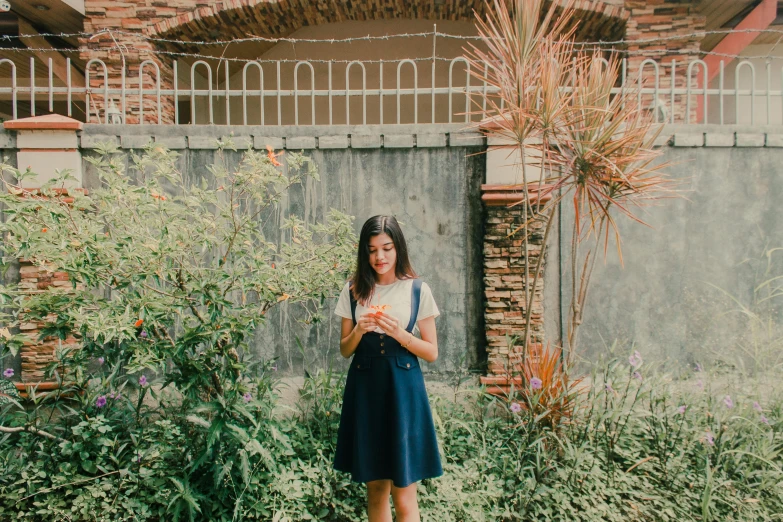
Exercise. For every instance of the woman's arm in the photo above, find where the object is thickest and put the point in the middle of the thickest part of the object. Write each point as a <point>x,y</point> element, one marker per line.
<point>349,338</point>
<point>427,346</point>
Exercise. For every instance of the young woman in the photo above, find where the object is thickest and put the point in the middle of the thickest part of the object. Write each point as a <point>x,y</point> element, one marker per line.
<point>386,436</point>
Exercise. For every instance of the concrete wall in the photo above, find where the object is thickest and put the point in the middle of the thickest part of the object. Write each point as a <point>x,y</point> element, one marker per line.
<point>670,300</point>
<point>429,177</point>
<point>673,298</point>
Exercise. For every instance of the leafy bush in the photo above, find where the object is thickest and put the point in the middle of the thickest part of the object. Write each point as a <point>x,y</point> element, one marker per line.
<point>164,416</point>
<point>170,281</point>
<point>638,449</point>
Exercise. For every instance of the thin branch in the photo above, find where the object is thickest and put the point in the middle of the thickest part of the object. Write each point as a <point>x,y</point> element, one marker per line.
<point>30,429</point>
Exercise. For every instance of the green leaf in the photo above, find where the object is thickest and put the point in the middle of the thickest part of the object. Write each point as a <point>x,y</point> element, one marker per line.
<point>8,392</point>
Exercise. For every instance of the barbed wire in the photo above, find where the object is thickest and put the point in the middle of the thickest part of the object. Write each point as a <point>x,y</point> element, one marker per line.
<point>624,52</point>
<point>438,34</point>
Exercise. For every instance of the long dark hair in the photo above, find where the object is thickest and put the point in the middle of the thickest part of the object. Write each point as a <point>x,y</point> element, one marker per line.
<point>364,278</point>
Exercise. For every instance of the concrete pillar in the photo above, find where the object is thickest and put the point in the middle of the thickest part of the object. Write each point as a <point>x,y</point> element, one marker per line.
<point>44,143</point>
<point>504,282</point>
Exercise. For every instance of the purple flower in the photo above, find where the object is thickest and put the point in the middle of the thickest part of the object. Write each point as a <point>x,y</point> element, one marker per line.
<point>247,397</point>
<point>535,383</point>
<point>757,406</point>
<point>608,387</point>
<point>111,395</point>
<point>274,367</point>
<point>635,359</point>
<point>728,402</point>
<point>709,439</point>
<point>143,380</point>
<point>8,373</point>
<point>101,360</point>
<point>143,333</point>
<point>681,409</point>
<point>515,407</point>
<point>698,367</point>
<point>101,401</point>
<point>117,397</point>
<point>138,457</point>
<point>637,375</point>
<point>764,419</point>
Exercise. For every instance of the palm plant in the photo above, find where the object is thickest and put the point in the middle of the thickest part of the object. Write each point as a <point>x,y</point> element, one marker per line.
<point>588,139</point>
<point>605,148</point>
<point>513,36</point>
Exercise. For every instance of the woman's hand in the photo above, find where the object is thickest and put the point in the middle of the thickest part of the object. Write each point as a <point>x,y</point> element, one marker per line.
<point>366,323</point>
<point>389,324</point>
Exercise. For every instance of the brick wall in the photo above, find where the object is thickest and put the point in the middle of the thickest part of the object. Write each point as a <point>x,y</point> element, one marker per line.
<point>504,291</point>
<point>37,354</point>
<point>133,17</point>
<point>664,18</point>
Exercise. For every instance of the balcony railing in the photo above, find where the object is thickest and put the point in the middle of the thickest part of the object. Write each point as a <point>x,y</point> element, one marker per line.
<point>418,91</point>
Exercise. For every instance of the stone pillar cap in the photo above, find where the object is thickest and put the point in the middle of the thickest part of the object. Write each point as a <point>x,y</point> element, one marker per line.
<point>46,122</point>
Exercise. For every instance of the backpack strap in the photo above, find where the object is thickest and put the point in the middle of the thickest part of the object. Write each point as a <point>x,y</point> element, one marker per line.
<point>415,298</point>
<point>353,303</point>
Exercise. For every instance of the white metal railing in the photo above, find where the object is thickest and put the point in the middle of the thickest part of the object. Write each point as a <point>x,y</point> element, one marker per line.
<point>678,92</point>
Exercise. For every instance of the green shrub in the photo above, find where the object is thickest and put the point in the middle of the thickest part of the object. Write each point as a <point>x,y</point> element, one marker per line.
<point>163,416</point>
<point>630,453</point>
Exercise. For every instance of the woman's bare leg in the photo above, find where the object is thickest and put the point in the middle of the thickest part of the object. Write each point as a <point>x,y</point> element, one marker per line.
<point>378,508</point>
<point>405,504</point>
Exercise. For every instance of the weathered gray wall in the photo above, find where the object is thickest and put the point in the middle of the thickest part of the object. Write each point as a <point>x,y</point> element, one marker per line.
<point>429,180</point>
<point>668,300</point>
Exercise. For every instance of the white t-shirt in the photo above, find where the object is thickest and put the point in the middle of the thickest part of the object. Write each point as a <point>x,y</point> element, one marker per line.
<point>398,295</point>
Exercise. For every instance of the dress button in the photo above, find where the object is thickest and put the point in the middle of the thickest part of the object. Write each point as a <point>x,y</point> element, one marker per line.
<point>409,365</point>
<point>381,336</point>
<point>383,351</point>
<point>358,365</point>
<point>381,344</point>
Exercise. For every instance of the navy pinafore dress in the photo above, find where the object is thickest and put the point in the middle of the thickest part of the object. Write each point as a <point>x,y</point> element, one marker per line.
<point>386,428</point>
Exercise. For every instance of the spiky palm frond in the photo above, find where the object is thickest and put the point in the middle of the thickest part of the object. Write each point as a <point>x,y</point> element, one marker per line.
<point>605,146</point>
<point>512,37</point>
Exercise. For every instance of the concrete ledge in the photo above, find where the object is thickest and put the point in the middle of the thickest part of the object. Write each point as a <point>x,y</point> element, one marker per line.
<point>134,142</point>
<point>466,139</point>
<point>398,141</point>
<point>242,142</point>
<point>682,139</point>
<point>750,140</point>
<point>366,141</point>
<point>260,142</point>
<point>333,142</point>
<point>431,140</point>
<point>774,140</point>
<point>203,142</point>
<point>713,139</point>
<point>300,142</point>
<point>391,136</point>
<point>663,140</point>
<point>172,142</point>
<point>91,141</point>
